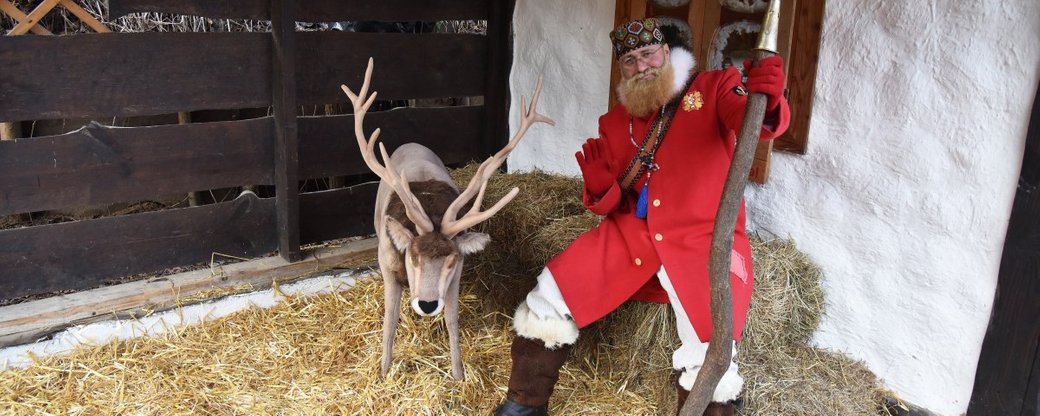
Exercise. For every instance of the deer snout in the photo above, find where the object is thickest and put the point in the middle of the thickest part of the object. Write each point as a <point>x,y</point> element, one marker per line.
<point>427,308</point>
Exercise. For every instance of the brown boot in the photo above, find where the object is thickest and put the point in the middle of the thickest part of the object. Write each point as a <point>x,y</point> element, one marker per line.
<point>720,409</point>
<point>533,376</point>
<point>713,409</point>
<point>680,393</point>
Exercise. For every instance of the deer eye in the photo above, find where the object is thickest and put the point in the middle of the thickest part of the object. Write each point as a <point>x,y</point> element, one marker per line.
<point>450,264</point>
<point>414,260</point>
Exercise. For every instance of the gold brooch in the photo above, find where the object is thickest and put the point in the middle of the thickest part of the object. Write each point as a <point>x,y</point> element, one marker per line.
<point>692,101</point>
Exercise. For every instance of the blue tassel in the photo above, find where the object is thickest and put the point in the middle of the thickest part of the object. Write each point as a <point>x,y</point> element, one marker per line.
<point>641,203</point>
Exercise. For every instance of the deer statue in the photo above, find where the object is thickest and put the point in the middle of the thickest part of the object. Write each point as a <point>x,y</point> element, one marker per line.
<point>422,239</point>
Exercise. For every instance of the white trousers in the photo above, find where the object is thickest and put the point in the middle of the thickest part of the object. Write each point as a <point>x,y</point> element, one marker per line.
<point>545,316</point>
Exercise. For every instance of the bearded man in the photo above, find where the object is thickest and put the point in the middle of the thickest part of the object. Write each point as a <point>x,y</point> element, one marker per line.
<point>656,174</point>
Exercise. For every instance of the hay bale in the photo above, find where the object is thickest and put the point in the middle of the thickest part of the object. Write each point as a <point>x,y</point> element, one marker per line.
<point>803,380</point>
<point>787,303</point>
<point>519,246</point>
<point>319,355</point>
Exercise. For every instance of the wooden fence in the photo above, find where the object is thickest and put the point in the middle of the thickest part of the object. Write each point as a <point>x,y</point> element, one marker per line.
<point>138,74</point>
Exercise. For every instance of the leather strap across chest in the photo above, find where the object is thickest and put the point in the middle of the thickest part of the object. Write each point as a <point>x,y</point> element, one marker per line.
<point>654,136</point>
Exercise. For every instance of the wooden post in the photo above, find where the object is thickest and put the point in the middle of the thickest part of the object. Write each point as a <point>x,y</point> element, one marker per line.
<point>10,130</point>
<point>287,158</point>
<point>801,74</point>
<point>500,59</point>
<point>184,117</point>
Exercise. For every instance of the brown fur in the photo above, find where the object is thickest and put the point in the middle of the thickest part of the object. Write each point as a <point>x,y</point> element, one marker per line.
<point>434,196</point>
<point>432,245</point>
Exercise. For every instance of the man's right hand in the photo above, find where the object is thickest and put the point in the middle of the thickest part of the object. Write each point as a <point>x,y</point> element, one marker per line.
<point>594,168</point>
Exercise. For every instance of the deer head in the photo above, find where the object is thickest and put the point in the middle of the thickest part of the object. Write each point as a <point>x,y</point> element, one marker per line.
<point>432,263</point>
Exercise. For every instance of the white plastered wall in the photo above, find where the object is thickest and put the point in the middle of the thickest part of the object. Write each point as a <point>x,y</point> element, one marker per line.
<point>903,197</point>
<point>564,42</point>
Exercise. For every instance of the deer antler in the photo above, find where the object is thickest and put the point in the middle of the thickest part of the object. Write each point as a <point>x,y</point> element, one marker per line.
<point>399,183</point>
<point>450,226</point>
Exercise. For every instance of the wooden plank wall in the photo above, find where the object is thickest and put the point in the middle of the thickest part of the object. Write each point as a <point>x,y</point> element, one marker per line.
<point>84,254</point>
<point>141,74</point>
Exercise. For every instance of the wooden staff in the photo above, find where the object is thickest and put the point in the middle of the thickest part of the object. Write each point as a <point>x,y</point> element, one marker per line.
<point>719,353</point>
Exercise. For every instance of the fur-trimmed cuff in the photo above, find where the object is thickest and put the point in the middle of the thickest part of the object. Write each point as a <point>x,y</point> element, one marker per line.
<point>553,332</point>
<point>728,389</point>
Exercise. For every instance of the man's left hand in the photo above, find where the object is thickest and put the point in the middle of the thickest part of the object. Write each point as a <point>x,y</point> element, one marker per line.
<point>767,78</point>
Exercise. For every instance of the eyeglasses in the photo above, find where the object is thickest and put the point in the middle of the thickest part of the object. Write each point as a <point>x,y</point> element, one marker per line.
<point>647,56</point>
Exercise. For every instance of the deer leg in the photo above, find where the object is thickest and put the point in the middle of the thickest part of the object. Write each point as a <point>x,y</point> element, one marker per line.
<point>391,315</point>
<point>451,319</point>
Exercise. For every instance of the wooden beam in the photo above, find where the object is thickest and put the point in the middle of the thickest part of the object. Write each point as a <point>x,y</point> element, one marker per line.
<point>801,75</point>
<point>287,158</point>
<point>407,65</point>
<point>10,130</point>
<point>499,60</point>
<point>27,322</point>
<point>79,255</point>
<point>17,15</point>
<point>760,165</point>
<point>696,21</point>
<point>84,16</point>
<point>33,18</point>
<point>184,117</point>
<point>99,165</point>
<point>337,213</point>
<point>238,71</point>
<point>451,132</point>
<point>105,76</point>
<point>764,151</point>
<point>785,33</point>
<point>710,23</point>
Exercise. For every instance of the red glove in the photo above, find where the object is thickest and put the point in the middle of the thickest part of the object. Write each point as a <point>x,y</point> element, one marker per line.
<point>594,168</point>
<point>767,78</point>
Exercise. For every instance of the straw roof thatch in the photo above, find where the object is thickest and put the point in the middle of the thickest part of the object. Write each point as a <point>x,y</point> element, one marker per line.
<point>319,354</point>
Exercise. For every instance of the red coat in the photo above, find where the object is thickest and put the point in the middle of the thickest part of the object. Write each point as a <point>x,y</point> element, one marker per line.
<point>617,260</point>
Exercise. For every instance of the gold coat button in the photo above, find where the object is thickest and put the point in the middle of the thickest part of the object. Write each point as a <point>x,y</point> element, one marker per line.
<point>657,202</point>
<point>658,237</point>
<point>639,261</point>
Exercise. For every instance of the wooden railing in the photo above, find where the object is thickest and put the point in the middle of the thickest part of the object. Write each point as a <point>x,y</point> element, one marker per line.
<point>137,74</point>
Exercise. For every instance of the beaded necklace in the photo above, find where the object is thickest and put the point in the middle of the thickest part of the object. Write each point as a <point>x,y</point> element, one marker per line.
<point>645,157</point>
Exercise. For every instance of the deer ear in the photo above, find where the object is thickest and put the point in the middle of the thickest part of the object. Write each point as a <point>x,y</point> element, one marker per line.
<point>472,242</point>
<point>400,235</point>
